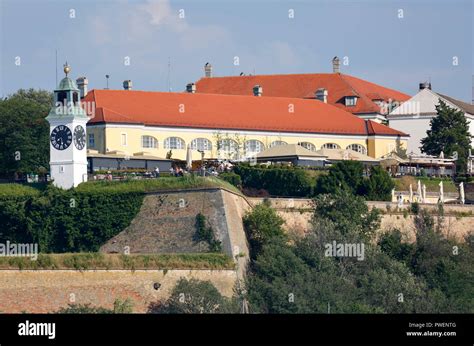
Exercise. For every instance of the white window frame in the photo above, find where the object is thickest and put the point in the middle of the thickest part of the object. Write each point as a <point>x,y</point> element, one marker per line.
<point>153,144</point>
<point>305,145</point>
<point>259,146</point>
<point>275,143</point>
<point>330,146</point>
<point>357,148</point>
<point>201,144</point>
<point>123,136</point>
<point>167,143</point>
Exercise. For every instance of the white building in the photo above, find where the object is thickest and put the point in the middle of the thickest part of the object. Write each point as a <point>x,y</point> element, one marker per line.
<point>414,116</point>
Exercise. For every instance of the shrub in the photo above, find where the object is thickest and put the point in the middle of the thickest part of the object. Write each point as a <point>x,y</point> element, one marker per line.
<point>231,178</point>
<point>205,233</point>
<point>279,181</point>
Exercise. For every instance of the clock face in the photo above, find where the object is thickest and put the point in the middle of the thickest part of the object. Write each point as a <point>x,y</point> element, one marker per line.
<point>79,137</point>
<point>61,137</point>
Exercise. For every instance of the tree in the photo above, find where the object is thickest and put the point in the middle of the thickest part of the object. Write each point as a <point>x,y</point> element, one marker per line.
<point>349,213</point>
<point>378,187</point>
<point>262,224</point>
<point>344,175</point>
<point>448,133</point>
<point>24,134</point>
<point>194,297</point>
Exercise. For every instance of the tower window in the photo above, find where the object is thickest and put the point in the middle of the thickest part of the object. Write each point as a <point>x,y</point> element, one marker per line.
<point>75,98</point>
<point>62,97</point>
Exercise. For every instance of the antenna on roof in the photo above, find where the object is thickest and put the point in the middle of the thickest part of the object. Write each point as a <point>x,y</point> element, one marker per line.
<point>107,78</point>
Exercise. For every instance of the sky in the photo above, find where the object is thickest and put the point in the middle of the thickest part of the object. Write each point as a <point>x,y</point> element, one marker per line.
<point>163,45</point>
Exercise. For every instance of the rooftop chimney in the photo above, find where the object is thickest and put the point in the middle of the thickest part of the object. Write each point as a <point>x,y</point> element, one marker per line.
<point>127,84</point>
<point>425,85</point>
<point>322,95</point>
<point>208,70</point>
<point>336,64</point>
<point>257,90</point>
<point>191,88</point>
<point>82,83</point>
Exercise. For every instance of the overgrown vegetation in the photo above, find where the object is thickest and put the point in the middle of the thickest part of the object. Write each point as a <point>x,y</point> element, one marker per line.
<point>391,276</point>
<point>195,297</point>
<point>120,307</point>
<point>204,232</point>
<point>97,260</point>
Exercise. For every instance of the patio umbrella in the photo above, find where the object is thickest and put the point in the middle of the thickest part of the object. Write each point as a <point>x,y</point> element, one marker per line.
<point>420,193</point>
<point>411,194</point>
<point>189,158</point>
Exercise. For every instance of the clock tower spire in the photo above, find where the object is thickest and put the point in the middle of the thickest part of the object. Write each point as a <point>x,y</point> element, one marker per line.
<point>67,120</point>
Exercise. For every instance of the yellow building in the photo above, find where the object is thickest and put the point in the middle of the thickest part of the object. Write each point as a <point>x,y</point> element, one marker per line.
<point>225,126</point>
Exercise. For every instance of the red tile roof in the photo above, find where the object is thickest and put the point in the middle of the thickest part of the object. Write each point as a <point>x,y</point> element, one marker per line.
<point>227,112</point>
<point>304,86</point>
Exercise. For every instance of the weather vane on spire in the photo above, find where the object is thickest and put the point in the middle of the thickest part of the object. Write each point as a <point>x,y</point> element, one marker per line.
<point>67,68</point>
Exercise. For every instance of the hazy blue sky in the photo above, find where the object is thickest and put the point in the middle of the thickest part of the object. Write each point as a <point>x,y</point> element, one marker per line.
<point>381,47</point>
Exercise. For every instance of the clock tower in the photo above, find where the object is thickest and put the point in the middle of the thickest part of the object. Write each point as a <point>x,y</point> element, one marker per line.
<point>67,139</point>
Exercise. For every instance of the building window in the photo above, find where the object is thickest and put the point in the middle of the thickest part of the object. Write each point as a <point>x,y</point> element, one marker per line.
<point>149,142</point>
<point>227,145</point>
<point>201,144</point>
<point>330,146</point>
<point>275,143</point>
<point>123,139</point>
<point>351,101</point>
<point>357,147</point>
<point>91,140</point>
<point>61,169</point>
<point>308,145</point>
<point>254,146</point>
<point>174,143</point>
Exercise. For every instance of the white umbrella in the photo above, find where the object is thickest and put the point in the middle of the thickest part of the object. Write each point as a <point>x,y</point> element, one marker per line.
<point>189,158</point>
<point>441,192</point>
<point>411,194</point>
<point>461,193</point>
<point>420,193</point>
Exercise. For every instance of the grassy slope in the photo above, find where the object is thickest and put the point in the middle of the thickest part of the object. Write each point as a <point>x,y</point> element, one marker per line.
<point>432,185</point>
<point>84,261</point>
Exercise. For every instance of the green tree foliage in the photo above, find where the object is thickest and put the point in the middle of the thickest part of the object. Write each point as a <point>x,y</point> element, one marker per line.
<point>348,213</point>
<point>278,181</point>
<point>194,297</point>
<point>24,132</point>
<point>262,224</point>
<point>448,133</point>
<point>343,175</point>
<point>446,266</point>
<point>67,221</point>
<point>393,276</point>
<point>378,187</point>
<point>349,176</point>
<point>231,178</point>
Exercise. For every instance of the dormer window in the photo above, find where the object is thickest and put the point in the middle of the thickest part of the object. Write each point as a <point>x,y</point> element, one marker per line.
<point>351,101</point>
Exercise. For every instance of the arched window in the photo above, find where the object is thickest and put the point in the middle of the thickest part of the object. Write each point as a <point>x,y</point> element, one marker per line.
<point>149,142</point>
<point>308,145</point>
<point>254,146</point>
<point>357,147</point>
<point>227,145</point>
<point>330,146</point>
<point>275,143</point>
<point>174,143</point>
<point>201,144</point>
